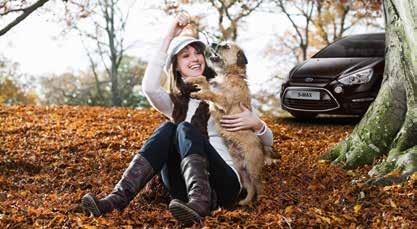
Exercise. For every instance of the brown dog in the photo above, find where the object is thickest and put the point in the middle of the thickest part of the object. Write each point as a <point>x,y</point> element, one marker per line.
<point>225,93</point>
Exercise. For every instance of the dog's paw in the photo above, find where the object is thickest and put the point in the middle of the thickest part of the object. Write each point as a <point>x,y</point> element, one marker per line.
<point>202,95</point>
<point>195,80</point>
<point>195,95</point>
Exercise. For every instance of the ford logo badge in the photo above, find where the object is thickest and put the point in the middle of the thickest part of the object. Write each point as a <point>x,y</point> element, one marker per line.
<point>308,80</point>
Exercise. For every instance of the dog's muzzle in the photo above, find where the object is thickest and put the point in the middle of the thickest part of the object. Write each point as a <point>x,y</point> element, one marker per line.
<point>215,59</point>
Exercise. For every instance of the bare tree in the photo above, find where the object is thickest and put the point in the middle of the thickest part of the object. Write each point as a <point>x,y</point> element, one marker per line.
<point>108,19</point>
<point>304,9</point>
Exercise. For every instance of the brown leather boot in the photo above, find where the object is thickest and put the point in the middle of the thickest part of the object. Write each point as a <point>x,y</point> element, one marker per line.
<point>94,206</point>
<point>133,180</point>
<point>194,168</point>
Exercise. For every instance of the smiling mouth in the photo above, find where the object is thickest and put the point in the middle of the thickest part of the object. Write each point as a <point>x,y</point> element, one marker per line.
<point>195,67</point>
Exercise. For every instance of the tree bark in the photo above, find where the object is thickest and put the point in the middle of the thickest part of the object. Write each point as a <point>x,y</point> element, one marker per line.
<point>390,124</point>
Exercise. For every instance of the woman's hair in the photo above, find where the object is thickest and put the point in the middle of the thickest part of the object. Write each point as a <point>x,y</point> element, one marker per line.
<point>176,84</point>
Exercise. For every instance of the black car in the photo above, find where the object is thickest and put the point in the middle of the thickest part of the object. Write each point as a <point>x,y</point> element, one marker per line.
<point>342,78</point>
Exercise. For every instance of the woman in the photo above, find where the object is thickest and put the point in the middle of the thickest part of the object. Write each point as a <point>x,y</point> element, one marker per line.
<point>188,152</point>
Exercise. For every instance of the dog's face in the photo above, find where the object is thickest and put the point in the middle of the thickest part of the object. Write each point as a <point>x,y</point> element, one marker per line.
<point>226,54</point>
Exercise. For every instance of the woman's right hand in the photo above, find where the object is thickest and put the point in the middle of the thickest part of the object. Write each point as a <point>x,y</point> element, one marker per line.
<point>179,23</point>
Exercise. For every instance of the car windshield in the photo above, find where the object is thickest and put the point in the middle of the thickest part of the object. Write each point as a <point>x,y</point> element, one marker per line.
<point>356,46</point>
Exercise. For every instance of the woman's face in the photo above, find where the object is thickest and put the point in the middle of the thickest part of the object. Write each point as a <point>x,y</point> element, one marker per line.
<point>190,62</point>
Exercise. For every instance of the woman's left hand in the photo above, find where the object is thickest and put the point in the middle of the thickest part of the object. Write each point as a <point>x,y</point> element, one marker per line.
<point>242,121</point>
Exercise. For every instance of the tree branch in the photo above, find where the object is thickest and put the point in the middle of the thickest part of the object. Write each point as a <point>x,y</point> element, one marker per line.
<point>281,5</point>
<point>26,12</point>
<point>12,10</point>
<point>319,24</point>
<point>93,69</point>
<point>242,14</point>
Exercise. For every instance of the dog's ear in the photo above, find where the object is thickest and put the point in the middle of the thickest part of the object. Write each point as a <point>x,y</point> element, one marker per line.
<point>241,58</point>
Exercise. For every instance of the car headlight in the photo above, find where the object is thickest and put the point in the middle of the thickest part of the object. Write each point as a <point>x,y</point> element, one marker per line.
<point>360,77</point>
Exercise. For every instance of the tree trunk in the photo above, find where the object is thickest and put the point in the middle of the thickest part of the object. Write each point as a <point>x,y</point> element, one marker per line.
<point>111,33</point>
<point>390,124</point>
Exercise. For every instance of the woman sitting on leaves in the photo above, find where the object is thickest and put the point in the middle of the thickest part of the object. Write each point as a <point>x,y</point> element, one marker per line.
<point>189,153</point>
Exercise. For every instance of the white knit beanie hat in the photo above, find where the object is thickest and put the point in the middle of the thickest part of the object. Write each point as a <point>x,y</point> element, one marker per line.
<point>176,45</point>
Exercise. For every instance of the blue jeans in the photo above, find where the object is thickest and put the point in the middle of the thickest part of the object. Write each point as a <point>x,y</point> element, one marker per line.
<point>170,143</point>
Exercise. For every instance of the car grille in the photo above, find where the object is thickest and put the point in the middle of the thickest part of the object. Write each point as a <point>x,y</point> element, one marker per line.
<point>315,80</point>
<point>323,104</point>
<point>310,105</point>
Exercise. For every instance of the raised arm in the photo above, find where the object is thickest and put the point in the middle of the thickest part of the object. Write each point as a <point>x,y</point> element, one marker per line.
<point>151,86</point>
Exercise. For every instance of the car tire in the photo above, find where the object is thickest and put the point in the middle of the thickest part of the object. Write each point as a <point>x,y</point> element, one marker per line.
<point>303,115</point>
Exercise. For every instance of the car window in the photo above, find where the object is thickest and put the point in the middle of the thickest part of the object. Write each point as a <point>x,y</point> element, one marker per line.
<point>356,46</point>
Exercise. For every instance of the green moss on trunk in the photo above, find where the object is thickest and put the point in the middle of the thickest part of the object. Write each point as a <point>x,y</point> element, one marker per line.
<point>374,134</point>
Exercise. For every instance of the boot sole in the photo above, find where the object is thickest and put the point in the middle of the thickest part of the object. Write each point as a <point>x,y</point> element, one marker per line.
<point>90,206</point>
<point>185,215</point>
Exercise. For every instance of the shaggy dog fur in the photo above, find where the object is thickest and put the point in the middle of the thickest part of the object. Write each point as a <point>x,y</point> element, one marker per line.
<point>225,93</point>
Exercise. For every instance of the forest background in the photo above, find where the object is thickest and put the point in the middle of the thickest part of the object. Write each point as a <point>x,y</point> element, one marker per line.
<point>62,53</point>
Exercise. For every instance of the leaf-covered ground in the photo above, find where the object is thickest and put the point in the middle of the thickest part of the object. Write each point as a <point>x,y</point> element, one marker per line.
<point>50,157</point>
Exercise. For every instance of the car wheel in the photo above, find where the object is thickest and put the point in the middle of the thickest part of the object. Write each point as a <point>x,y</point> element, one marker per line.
<point>303,115</point>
